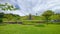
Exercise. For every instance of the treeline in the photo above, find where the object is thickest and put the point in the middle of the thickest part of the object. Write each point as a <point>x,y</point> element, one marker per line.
<point>51,17</point>
<point>47,16</point>
<point>9,18</point>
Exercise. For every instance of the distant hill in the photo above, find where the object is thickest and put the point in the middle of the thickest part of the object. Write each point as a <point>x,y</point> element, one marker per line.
<point>16,18</point>
<point>10,18</point>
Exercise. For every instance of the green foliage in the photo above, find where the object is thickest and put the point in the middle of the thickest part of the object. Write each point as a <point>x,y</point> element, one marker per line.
<point>47,14</point>
<point>2,5</point>
<point>55,17</point>
<point>7,6</point>
<point>1,17</point>
<point>11,18</point>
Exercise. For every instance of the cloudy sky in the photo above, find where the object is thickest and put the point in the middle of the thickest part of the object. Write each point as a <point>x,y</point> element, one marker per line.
<point>33,6</point>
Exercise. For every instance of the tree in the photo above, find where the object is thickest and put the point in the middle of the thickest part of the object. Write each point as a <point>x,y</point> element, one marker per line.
<point>6,7</point>
<point>47,14</point>
<point>1,17</point>
<point>11,18</point>
<point>55,17</point>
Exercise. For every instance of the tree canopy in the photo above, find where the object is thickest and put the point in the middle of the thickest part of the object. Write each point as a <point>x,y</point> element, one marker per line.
<point>55,17</point>
<point>47,14</point>
<point>7,6</point>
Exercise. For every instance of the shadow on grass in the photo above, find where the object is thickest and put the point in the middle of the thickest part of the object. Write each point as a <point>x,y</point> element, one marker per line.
<point>2,24</point>
<point>40,25</point>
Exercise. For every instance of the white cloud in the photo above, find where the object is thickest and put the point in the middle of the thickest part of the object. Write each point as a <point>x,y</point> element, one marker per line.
<point>33,6</point>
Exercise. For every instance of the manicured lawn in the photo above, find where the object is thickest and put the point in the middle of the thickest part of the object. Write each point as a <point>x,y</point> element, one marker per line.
<point>29,29</point>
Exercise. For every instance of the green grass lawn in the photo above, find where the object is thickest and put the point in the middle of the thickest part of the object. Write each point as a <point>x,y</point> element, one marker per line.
<point>29,29</point>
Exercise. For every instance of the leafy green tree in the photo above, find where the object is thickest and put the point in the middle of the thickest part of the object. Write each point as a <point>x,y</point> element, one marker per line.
<point>47,14</point>
<point>6,7</point>
<point>55,17</point>
<point>1,17</point>
<point>11,18</point>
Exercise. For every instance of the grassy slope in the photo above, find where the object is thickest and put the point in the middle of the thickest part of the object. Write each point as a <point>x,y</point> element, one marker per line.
<point>33,18</point>
<point>29,29</point>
